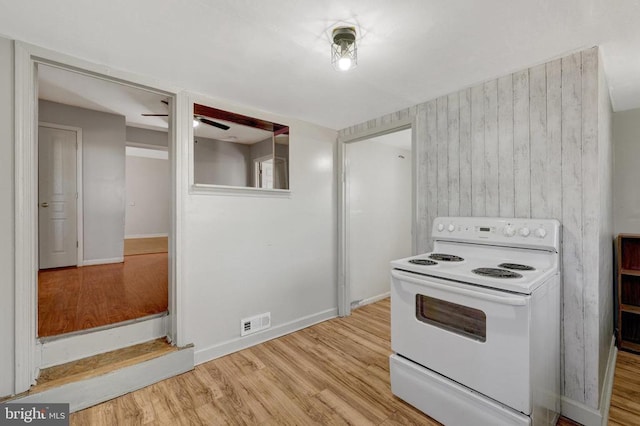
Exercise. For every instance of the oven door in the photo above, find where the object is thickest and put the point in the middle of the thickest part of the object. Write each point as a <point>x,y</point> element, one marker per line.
<point>475,336</point>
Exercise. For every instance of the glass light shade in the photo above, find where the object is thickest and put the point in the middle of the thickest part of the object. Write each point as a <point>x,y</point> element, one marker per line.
<point>344,52</point>
<point>344,64</point>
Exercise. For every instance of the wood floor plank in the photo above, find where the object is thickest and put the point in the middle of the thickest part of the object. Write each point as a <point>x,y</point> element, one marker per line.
<point>135,246</point>
<point>333,373</point>
<point>74,299</point>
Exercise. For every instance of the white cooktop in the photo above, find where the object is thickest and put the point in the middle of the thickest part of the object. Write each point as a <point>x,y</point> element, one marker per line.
<point>488,243</point>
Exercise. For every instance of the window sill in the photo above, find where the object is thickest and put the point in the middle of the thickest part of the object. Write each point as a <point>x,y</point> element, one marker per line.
<point>240,191</point>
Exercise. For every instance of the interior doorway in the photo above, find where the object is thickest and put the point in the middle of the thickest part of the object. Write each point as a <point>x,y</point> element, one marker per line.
<point>31,352</point>
<point>378,190</point>
<point>85,280</point>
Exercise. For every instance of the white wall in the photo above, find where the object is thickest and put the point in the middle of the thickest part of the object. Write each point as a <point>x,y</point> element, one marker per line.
<point>240,254</point>
<point>246,255</point>
<point>379,190</point>
<point>103,152</point>
<point>7,283</point>
<point>626,196</point>
<point>148,197</point>
<point>138,136</point>
<point>221,163</point>
<point>533,143</point>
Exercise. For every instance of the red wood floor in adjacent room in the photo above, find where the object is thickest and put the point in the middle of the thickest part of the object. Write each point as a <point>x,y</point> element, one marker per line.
<point>73,299</point>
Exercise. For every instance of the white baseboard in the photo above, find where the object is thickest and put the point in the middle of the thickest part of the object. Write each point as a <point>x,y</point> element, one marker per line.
<point>102,261</point>
<point>607,386</point>
<point>56,351</point>
<point>132,236</point>
<point>85,393</point>
<point>589,416</point>
<point>370,300</point>
<point>239,343</point>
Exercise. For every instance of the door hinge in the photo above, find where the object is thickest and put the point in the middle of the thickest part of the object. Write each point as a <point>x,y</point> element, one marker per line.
<point>77,244</point>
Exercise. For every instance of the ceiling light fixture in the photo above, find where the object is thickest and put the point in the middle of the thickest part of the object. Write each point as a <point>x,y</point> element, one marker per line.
<point>344,53</point>
<point>196,122</point>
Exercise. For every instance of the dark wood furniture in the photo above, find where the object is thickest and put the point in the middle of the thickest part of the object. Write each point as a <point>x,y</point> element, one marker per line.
<point>629,291</point>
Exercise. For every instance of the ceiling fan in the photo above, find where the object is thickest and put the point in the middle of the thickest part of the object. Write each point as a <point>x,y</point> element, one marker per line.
<point>200,118</point>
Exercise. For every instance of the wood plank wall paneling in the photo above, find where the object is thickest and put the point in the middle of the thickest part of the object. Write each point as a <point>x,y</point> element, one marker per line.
<point>431,184</point>
<point>378,125</point>
<point>442,157</point>
<point>465,152</point>
<point>453,154</point>
<point>526,145</point>
<point>422,226</point>
<point>590,219</point>
<point>538,138</point>
<point>553,175</point>
<point>573,304</point>
<point>505,146</point>
<point>491,153</point>
<point>521,147</point>
<point>478,181</point>
<point>605,156</point>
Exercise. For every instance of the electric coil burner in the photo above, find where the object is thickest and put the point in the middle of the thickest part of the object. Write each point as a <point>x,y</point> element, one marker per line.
<point>424,262</point>
<point>445,257</point>
<point>475,343</point>
<point>516,267</point>
<point>496,273</point>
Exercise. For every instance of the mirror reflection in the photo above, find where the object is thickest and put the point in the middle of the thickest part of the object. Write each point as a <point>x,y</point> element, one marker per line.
<point>239,151</point>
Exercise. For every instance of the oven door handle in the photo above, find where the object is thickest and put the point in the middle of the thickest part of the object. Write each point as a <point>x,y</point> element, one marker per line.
<point>513,301</point>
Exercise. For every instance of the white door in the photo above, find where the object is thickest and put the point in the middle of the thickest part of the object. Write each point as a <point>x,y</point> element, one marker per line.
<point>57,193</point>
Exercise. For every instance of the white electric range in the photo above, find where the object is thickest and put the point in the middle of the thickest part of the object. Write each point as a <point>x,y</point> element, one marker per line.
<point>475,324</point>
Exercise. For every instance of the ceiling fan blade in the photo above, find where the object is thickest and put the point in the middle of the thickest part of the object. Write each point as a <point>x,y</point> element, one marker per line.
<point>155,115</point>
<point>213,123</point>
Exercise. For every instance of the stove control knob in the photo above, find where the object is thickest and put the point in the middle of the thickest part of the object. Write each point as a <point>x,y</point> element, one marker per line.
<point>540,232</point>
<point>509,231</point>
<point>525,231</point>
<point>451,228</point>
<point>440,227</point>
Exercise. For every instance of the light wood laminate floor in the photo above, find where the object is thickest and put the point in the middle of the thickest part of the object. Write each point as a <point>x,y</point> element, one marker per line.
<point>74,299</point>
<point>134,246</point>
<point>625,398</point>
<point>335,372</point>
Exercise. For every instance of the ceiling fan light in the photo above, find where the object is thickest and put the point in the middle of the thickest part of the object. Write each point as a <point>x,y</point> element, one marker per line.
<point>196,123</point>
<point>344,52</point>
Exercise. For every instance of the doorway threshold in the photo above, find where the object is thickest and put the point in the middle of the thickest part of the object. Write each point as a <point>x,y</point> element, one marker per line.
<point>92,380</point>
<point>48,339</point>
<point>69,347</point>
<point>97,365</point>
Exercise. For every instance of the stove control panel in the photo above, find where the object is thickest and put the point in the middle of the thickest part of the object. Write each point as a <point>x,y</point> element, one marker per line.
<point>516,232</point>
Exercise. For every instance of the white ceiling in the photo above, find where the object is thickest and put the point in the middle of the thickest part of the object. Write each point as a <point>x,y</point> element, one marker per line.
<point>274,55</point>
<point>71,88</point>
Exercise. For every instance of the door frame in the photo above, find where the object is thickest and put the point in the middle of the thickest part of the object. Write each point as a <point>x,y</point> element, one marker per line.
<point>27,57</point>
<point>344,284</point>
<point>79,187</point>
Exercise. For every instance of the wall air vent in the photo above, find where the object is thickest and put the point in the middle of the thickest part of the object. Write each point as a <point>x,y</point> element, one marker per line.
<point>255,324</point>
